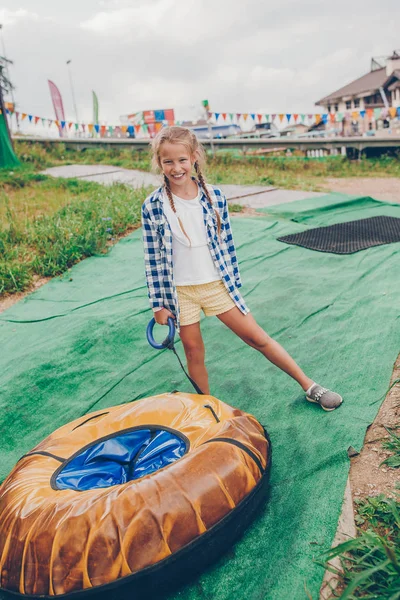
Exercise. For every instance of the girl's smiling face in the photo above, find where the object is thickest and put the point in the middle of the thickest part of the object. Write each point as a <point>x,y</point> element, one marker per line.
<point>176,163</point>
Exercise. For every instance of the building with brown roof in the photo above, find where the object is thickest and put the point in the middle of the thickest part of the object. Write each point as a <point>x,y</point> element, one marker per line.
<point>380,88</point>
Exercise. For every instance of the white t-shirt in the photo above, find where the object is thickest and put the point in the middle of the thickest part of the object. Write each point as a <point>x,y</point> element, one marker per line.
<point>193,264</point>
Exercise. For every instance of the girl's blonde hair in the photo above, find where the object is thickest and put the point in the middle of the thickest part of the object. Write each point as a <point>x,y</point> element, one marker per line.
<point>186,137</point>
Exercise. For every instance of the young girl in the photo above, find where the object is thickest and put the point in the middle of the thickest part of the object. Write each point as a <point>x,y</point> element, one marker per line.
<point>191,263</point>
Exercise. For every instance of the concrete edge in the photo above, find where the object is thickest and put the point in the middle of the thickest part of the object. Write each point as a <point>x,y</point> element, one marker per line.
<point>346,529</point>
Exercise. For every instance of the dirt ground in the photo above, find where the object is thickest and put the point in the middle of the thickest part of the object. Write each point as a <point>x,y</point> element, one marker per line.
<point>367,476</point>
<point>381,188</point>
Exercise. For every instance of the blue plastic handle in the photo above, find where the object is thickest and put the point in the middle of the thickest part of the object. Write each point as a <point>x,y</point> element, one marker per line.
<point>169,340</point>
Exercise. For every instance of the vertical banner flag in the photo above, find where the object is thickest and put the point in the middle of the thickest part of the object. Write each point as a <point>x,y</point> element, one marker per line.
<point>57,103</point>
<point>95,108</point>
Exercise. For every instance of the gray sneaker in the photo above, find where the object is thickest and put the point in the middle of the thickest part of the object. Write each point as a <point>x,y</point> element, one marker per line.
<point>325,398</point>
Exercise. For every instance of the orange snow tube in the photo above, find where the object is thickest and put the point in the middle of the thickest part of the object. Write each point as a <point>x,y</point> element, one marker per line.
<point>134,495</point>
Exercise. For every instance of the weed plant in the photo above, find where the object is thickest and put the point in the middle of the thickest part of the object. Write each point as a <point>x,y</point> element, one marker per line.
<point>370,563</point>
<point>392,444</point>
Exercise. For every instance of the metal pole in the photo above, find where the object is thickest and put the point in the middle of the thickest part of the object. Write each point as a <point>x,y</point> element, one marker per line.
<point>8,73</point>
<point>72,90</point>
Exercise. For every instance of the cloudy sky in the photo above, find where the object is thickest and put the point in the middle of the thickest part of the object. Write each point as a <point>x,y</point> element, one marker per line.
<point>242,55</point>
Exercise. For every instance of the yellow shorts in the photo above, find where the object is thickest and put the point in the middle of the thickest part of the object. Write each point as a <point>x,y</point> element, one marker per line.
<point>212,298</point>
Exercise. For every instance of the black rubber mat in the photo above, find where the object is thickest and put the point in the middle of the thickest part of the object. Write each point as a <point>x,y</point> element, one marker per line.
<point>350,237</point>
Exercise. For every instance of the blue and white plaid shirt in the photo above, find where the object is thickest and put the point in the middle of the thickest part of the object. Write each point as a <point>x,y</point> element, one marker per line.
<point>157,240</point>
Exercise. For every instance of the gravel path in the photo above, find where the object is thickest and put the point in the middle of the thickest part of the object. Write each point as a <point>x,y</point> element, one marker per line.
<point>381,188</point>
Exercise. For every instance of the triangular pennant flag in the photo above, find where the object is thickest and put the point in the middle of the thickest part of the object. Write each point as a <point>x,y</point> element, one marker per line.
<point>281,117</point>
<point>259,117</point>
<point>340,117</point>
<point>332,117</point>
<point>97,127</point>
<point>231,115</point>
<point>76,126</point>
<point>238,115</point>
<point>57,123</point>
<point>130,129</point>
<point>245,115</point>
<point>17,114</point>
<point>137,128</point>
<point>288,116</point>
<point>83,127</point>
<point>224,116</point>
<point>318,118</point>
<point>23,116</point>
<point>362,113</point>
<point>37,119</point>
<point>110,129</point>
<point>377,113</point>
<point>266,118</point>
<point>63,123</point>
<point>7,111</point>
<point>398,111</point>
<point>30,117</point>
<point>124,128</point>
<point>325,118</point>
<point>70,125</point>
<point>295,117</point>
<point>43,121</point>
<point>90,127</point>
<point>392,111</point>
<point>273,117</point>
<point>354,115</point>
<point>253,116</point>
<point>370,113</point>
<point>103,130</point>
<point>145,128</point>
<point>216,115</point>
<point>302,117</point>
<point>50,122</point>
<point>310,117</point>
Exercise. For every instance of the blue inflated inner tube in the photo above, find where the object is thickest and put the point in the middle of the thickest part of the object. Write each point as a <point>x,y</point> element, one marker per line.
<point>120,458</point>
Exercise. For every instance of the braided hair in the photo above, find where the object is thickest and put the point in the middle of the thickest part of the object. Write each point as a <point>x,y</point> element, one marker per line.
<point>182,135</point>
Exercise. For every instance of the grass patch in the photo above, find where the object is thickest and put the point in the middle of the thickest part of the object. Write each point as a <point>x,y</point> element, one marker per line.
<point>235,208</point>
<point>47,224</point>
<point>292,172</point>
<point>371,562</point>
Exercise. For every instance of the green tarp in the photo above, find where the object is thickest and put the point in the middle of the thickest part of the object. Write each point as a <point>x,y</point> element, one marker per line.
<point>7,156</point>
<point>78,344</point>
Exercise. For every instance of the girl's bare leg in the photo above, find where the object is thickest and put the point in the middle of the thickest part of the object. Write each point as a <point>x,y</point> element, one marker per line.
<point>195,354</point>
<point>250,332</point>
